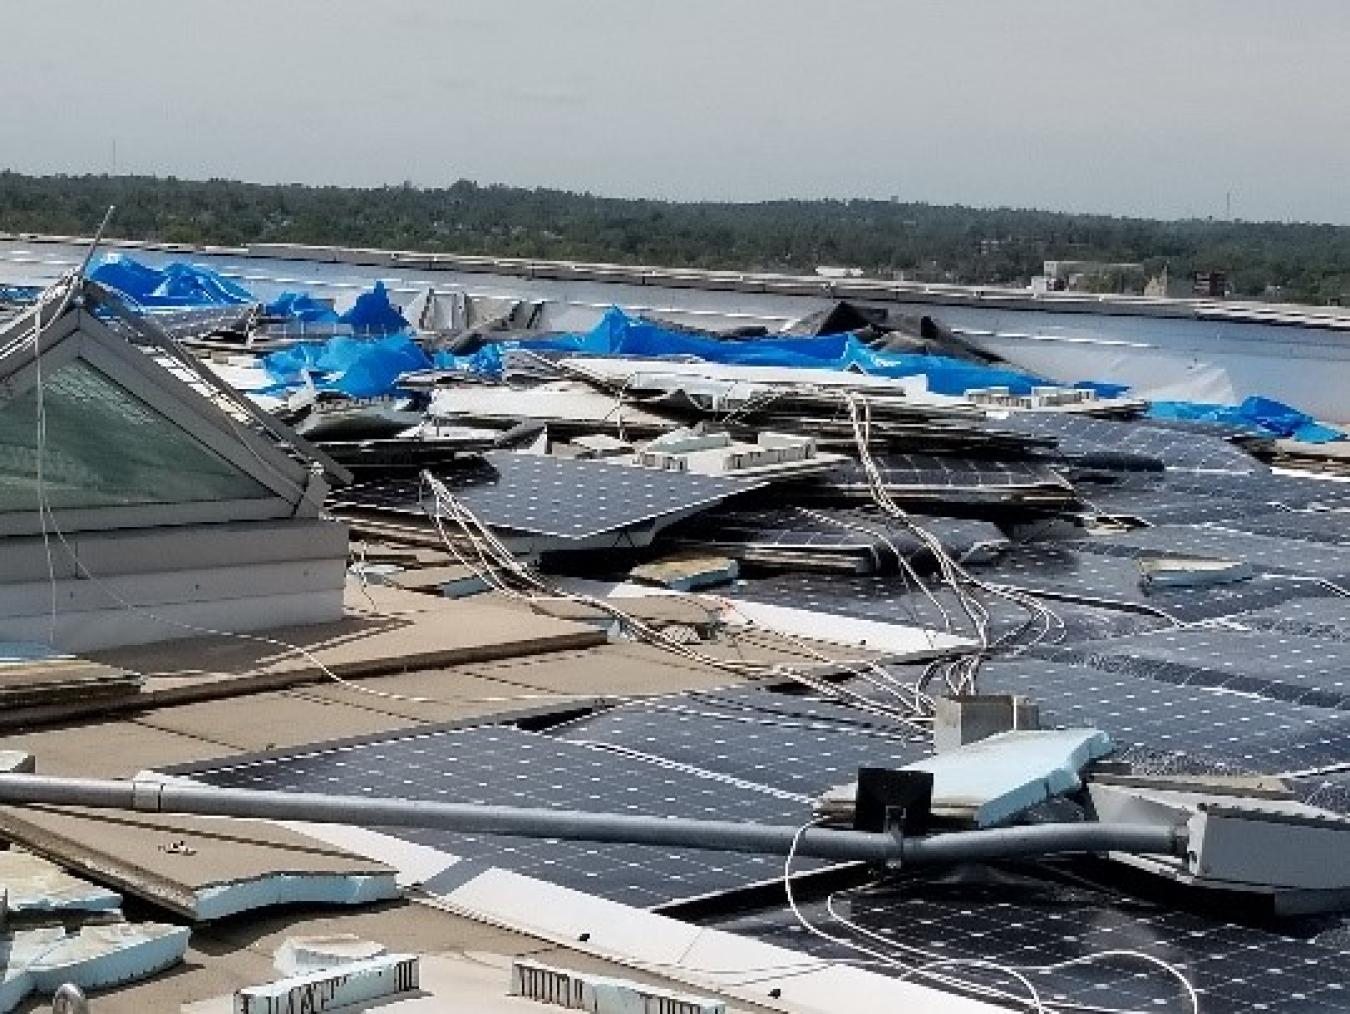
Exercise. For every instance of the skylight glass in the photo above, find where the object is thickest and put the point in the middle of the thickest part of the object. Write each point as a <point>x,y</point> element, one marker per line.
<point>106,447</point>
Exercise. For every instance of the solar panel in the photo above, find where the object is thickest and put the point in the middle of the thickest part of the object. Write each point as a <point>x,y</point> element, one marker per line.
<point>927,477</point>
<point>1177,449</point>
<point>790,744</point>
<point>557,497</point>
<point>1275,491</point>
<point>1278,555</point>
<point>899,469</point>
<point>1046,914</point>
<point>1329,791</point>
<point>1161,506</point>
<point>892,599</point>
<point>1204,427</point>
<point>184,324</point>
<point>1232,730</point>
<point>1328,617</point>
<point>1278,665</point>
<point>1067,571</point>
<point>859,540</point>
<point>189,324</point>
<point>506,766</point>
<point>1331,527</point>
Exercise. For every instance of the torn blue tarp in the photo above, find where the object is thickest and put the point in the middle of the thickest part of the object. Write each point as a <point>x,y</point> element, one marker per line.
<point>357,367</point>
<point>302,306</point>
<point>176,286</point>
<point>373,313</point>
<point>1260,415</point>
<point>618,334</point>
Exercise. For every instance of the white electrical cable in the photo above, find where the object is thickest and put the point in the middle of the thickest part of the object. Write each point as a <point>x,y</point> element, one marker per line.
<point>959,675</point>
<point>933,960</point>
<point>498,566</point>
<point>1036,1003</point>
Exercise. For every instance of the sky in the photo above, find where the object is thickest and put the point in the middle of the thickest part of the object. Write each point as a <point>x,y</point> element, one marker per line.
<point>1155,108</point>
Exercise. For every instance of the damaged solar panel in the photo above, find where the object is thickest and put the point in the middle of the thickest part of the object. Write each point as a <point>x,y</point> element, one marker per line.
<point>1082,440</point>
<point>887,599</point>
<point>1325,617</point>
<point>1265,552</point>
<point>1237,731</point>
<point>856,541</point>
<point>927,478</point>
<point>1273,664</point>
<point>555,497</point>
<point>1066,572</point>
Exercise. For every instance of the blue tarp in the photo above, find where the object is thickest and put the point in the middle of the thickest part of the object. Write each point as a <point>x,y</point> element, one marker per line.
<point>301,306</point>
<point>177,286</point>
<point>1261,415</point>
<point>357,367</point>
<point>618,334</point>
<point>373,313</point>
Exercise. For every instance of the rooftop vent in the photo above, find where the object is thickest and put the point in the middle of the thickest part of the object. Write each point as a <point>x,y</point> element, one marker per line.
<point>601,995</point>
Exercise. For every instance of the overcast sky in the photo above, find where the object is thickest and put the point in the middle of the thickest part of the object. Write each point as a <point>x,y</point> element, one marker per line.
<point>1159,108</point>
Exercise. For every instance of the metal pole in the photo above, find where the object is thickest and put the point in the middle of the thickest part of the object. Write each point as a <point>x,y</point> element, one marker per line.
<point>532,822</point>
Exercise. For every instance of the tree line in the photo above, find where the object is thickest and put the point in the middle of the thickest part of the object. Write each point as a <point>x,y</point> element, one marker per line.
<point>1307,263</point>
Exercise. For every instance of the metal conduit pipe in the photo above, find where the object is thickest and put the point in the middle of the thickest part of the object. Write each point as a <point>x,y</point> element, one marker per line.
<point>526,822</point>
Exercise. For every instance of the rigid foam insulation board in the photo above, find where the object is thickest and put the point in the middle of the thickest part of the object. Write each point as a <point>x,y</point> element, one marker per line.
<point>92,957</point>
<point>201,868</point>
<point>994,779</point>
<point>34,885</point>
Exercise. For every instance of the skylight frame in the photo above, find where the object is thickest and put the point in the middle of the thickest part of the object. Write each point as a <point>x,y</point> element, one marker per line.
<point>79,336</point>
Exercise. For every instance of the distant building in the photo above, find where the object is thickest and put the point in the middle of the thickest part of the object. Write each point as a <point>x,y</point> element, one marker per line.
<point>1210,285</point>
<point>1093,276</point>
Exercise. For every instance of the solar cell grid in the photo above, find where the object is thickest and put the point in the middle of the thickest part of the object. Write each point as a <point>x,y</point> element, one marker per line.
<point>1330,527</point>
<point>928,469</point>
<point>1329,791</point>
<point>556,497</point>
<point>505,766</point>
<point>1270,553</point>
<point>1236,730</point>
<point>1068,571</point>
<point>936,472</point>
<point>806,753</point>
<point>1161,506</point>
<point>1273,490</point>
<point>1322,617</point>
<point>1031,917</point>
<point>892,599</point>
<point>1178,449</point>
<point>1278,665</point>
<point>868,535</point>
